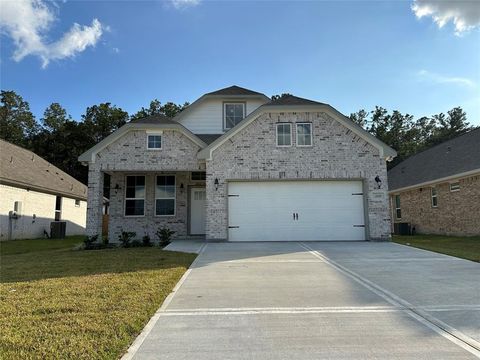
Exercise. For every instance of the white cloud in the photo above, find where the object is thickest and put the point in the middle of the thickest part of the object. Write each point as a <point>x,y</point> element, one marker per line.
<point>442,79</point>
<point>28,21</point>
<point>465,14</point>
<point>182,4</point>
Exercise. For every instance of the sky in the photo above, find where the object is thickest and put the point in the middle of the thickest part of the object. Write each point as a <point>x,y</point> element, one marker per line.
<point>419,57</point>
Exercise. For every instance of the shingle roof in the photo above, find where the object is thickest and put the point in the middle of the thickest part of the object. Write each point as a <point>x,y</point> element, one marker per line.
<point>208,138</point>
<point>455,156</point>
<point>155,119</point>
<point>24,168</point>
<point>293,100</point>
<point>234,90</point>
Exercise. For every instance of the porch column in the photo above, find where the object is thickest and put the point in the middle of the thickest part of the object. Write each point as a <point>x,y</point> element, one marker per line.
<point>95,201</point>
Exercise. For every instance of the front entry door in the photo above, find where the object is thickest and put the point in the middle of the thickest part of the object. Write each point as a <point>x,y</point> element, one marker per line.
<point>198,198</point>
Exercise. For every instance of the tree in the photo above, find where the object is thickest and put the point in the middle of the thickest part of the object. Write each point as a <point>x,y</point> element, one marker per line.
<point>170,109</point>
<point>55,117</point>
<point>103,119</point>
<point>448,126</point>
<point>17,123</point>
<point>360,118</point>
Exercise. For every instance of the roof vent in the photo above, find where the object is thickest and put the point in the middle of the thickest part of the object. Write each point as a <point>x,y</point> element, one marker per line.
<point>449,148</point>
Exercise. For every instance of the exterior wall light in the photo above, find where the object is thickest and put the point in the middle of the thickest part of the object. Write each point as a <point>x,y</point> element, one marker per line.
<point>216,184</point>
<point>378,181</point>
<point>116,188</point>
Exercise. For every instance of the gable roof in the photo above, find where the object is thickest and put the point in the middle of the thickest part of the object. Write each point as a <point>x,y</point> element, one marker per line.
<point>153,123</point>
<point>292,103</point>
<point>234,90</point>
<point>292,100</point>
<point>453,157</point>
<point>23,168</point>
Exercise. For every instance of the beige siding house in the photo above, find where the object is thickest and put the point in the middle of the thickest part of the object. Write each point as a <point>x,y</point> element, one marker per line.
<point>438,190</point>
<point>237,166</point>
<point>34,193</point>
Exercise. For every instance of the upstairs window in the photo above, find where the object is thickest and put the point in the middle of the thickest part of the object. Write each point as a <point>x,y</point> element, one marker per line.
<point>304,134</point>
<point>233,113</point>
<point>434,197</point>
<point>284,134</point>
<point>135,196</point>
<point>455,186</point>
<point>398,209</point>
<point>154,142</point>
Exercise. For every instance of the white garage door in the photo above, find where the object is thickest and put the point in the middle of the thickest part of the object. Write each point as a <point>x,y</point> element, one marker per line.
<point>295,211</point>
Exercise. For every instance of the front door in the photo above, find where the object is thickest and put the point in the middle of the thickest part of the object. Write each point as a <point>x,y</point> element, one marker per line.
<point>198,198</point>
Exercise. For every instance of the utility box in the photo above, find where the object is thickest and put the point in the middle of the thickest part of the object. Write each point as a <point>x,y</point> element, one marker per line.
<point>402,229</point>
<point>58,229</point>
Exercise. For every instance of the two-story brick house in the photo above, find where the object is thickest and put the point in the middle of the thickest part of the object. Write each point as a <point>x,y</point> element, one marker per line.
<point>237,166</point>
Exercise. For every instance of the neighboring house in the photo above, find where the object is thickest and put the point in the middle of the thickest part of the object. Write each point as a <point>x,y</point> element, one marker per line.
<point>438,190</point>
<point>33,193</point>
<point>236,166</point>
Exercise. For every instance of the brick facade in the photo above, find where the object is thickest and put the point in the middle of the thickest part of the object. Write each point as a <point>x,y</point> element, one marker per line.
<point>336,153</point>
<point>457,212</point>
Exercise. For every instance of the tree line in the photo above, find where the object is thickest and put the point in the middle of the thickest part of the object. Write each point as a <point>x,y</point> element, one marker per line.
<point>59,139</point>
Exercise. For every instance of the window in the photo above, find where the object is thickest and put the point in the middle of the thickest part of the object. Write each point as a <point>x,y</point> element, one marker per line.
<point>199,175</point>
<point>58,208</point>
<point>154,142</point>
<point>455,186</point>
<point>284,134</point>
<point>434,197</point>
<point>135,196</point>
<point>398,210</point>
<point>77,202</point>
<point>304,134</point>
<point>165,195</point>
<point>233,113</point>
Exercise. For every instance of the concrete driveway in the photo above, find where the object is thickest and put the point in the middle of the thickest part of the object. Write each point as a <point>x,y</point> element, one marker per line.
<point>357,300</point>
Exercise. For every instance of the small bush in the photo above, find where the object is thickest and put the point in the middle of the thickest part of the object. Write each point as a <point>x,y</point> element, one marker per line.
<point>90,242</point>
<point>136,243</point>
<point>164,235</point>
<point>126,237</point>
<point>146,240</point>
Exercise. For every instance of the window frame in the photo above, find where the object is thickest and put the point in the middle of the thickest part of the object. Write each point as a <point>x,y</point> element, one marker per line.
<point>276,134</point>
<point>165,198</point>
<point>198,172</point>
<point>434,197</point>
<point>144,198</point>
<point>311,134</point>
<point>243,103</point>
<point>398,207</point>
<point>58,208</point>
<point>154,134</point>
<point>457,186</point>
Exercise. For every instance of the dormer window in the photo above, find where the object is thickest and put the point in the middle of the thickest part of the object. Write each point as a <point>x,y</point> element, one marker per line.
<point>233,113</point>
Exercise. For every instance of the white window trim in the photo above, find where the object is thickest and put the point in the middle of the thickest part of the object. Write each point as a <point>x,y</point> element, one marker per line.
<point>225,112</point>
<point>434,196</point>
<point>311,134</point>
<point>397,208</point>
<point>454,183</point>
<point>276,134</point>
<point>125,199</point>
<point>161,140</point>
<point>165,198</point>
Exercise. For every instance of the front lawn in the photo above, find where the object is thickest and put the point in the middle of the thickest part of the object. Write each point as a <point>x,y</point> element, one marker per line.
<point>462,247</point>
<point>59,303</point>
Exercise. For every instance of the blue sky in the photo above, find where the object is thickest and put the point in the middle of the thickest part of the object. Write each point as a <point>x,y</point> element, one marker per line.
<point>351,55</point>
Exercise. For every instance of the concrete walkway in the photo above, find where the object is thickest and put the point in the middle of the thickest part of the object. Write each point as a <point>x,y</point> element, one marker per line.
<point>356,300</point>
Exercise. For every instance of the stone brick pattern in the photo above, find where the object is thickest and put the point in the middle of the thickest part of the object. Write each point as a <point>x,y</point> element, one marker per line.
<point>457,213</point>
<point>336,153</point>
<point>130,154</point>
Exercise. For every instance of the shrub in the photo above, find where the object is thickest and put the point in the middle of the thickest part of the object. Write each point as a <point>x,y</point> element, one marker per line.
<point>89,242</point>
<point>146,240</point>
<point>164,235</point>
<point>126,237</point>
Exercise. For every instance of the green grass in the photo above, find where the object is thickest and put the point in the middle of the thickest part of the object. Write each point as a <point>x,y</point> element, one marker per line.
<point>462,247</point>
<point>57,303</point>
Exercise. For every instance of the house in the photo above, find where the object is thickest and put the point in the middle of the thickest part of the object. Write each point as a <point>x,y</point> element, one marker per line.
<point>237,166</point>
<point>437,190</point>
<point>34,193</point>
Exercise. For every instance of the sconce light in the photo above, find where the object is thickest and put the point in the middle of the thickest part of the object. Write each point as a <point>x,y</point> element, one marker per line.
<point>379,182</point>
<point>216,184</point>
<point>116,188</point>
<point>181,188</point>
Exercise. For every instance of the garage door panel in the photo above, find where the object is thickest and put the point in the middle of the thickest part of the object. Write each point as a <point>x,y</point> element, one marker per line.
<point>327,210</point>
